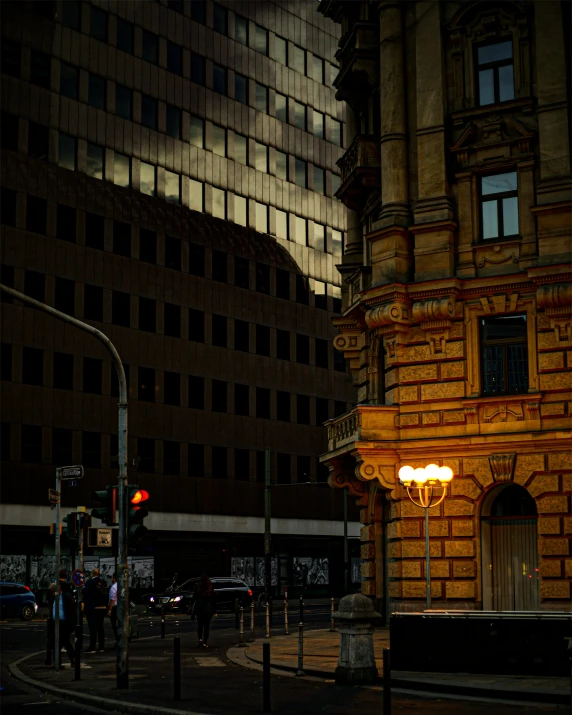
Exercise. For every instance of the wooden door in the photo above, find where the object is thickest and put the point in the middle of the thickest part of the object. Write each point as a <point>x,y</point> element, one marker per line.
<point>514,564</point>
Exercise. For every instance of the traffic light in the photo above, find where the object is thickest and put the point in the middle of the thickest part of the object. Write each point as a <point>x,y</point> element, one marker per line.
<point>136,513</point>
<point>70,527</point>
<point>108,500</point>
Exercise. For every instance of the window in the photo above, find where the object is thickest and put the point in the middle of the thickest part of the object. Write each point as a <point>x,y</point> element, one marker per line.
<point>197,132</point>
<point>241,30</point>
<point>146,386</point>
<point>281,224</point>
<point>173,126</point>
<point>504,355</point>
<point>172,388</point>
<point>196,460</point>
<point>196,196</point>
<point>300,229</point>
<point>65,226</point>
<point>219,462</point>
<point>219,79</point>
<point>263,340</point>
<point>261,217</point>
<point>281,107</point>
<point>339,361</point>
<point>281,166</point>
<point>260,466</point>
<point>172,187</point>
<point>322,410</point>
<point>95,161</point>
<point>282,344</point>
<point>319,180</point>
<point>317,124</point>
<point>300,173</point>
<point>196,260</point>
<point>496,75</point>
<point>11,57</point>
<point>92,376</point>
<point>121,238</point>
<point>9,132</point>
<point>220,19</point>
<point>320,295</point>
<point>35,285</point>
<point>6,443</point>
<point>173,253</point>
<point>321,353</point>
<point>337,243</point>
<point>240,149</point>
<point>260,40</point>
<point>240,214</point>
<point>219,203</point>
<point>241,400</point>
<point>317,238</point>
<point>148,112</point>
<point>196,325</point>
<point>92,302</point>
<point>283,475</point>
<point>147,315</point>
<point>322,472</point>
<point>122,170</point>
<point>219,266</point>
<point>36,214</point>
<point>263,403</point>
<point>66,151</point>
<point>40,69</point>
<point>150,47</point>
<point>96,92</point>
<point>283,406</point>
<point>219,331</point>
<point>260,157</point>
<point>123,102</point>
<point>146,454</point>
<point>297,59</point>
<point>6,362</point>
<point>174,58</point>
<point>299,115</point>
<point>71,14</point>
<point>303,349</point>
<point>196,392</point>
<point>241,335</point>
<point>148,246</point>
<point>32,444</point>
<point>68,80</point>
<point>172,320</point>
<point>241,88</point>
<point>197,69</point>
<point>282,284</point>
<point>219,140</point>
<point>8,206</point>
<point>38,141</point>
<point>499,205</point>
<point>65,296</point>
<point>316,69</point>
<point>171,457</point>
<point>241,272</point>
<point>32,366</point>
<point>242,464</point>
<point>303,468</point>
<point>199,11</point>
<point>94,231</point>
<point>62,451</point>
<point>263,278</point>
<point>98,24</point>
<point>337,299</point>
<point>261,98</point>
<point>339,408</point>
<point>219,390</point>
<point>335,131</point>
<point>120,308</point>
<point>280,50</point>
<point>124,36</point>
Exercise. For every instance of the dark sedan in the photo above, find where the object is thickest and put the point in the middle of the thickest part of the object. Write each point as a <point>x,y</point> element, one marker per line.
<point>230,594</point>
<point>16,599</point>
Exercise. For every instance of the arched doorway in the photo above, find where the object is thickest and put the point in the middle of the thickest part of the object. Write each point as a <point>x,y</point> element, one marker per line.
<point>509,550</point>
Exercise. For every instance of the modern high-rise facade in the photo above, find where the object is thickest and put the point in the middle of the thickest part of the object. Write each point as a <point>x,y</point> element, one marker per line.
<point>168,175</point>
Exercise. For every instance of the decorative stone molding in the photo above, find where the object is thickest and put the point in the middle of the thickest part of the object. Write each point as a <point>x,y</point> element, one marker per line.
<point>351,341</point>
<point>502,466</point>
<point>396,314</point>
<point>554,295</point>
<point>433,309</point>
<point>370,464</point>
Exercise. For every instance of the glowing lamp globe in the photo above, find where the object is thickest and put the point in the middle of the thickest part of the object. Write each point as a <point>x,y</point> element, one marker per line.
<point>445,474</point>
<point>420,476</point>
<point>406,474</point>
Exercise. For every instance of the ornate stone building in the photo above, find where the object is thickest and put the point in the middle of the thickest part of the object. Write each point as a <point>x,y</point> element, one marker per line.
<point>457,298</point>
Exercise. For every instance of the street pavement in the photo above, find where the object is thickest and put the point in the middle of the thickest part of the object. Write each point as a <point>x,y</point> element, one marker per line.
<point>211,682</point>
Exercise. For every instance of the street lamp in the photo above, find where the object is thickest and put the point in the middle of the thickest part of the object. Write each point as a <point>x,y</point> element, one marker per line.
<point>426,488</point>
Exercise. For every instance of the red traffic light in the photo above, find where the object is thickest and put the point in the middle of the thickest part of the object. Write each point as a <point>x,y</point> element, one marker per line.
<point>139,496</point>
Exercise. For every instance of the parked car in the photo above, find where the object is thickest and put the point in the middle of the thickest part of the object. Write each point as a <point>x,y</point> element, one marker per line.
<point>230,594</point>
<point>16,599</point>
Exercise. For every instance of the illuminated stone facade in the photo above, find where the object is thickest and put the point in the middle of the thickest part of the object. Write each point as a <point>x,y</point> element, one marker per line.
<point>448,100</point>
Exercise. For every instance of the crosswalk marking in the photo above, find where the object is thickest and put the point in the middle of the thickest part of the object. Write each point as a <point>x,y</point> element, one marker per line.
<point>210,662</point>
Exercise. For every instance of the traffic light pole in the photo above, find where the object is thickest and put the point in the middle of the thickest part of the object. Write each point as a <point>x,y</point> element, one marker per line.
<point>57,595</point>
<point>123,568</point>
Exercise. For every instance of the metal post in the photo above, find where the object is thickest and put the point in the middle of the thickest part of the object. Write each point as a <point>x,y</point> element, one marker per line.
<point>57,592</point>
<point>427,563</point>
<point>267,525</point>
<point>301,609</point>
<point>386,682</point>
<point>266,677</point>
<point>251,639</point>
<point>346,564</point>
<point>268,620</point>
<point>332,624</point>
<point>79,622</point>
<point>300,670</point>
<point>241,644</point>
<point>122,566</point>
<point>163,622</point>
<point>286,630</point>
<point>176,668</point>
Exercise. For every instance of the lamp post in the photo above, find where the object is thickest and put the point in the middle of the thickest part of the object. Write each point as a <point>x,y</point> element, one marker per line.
<point>426,487</point>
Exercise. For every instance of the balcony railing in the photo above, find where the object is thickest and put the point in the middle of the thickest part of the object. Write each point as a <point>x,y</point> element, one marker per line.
<point>361,168</point>
<point>363,423</point>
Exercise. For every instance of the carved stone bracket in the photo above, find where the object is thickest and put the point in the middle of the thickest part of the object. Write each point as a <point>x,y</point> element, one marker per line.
<point>554,295</point>
<point>350,342</point>
<point>377,464</point>
<point>502,466</point>
<point>435,309</point>
<point>396,315</point>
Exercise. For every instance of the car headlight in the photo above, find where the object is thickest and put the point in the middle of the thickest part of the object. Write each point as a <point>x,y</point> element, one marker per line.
<point>152,599</point>
<point>177,598</point>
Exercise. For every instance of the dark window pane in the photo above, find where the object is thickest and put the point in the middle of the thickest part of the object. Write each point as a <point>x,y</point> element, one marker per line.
<point>174,58</point>
<point>65,296</point>
<point>283,406</point>
<point>196,460</point>
<point>66,223</point>
<point>242,464</point>
<point>172,388</point>
<point>35,285</point>
<point>124,36</point>
<point>171,457</point>
<point>96,92</point>
<point>147,315</point>
<point>322,472</point>
<point>220,20</point>
<point>319,180</point>
<point>146,455</point>
<point>301,289</point>
<point>173,122</point>
<point>40,69</point>
<point>6,443</point>
<point>339,408</point>
<point>36,214</point>
<point>506,83</point>
<point>173,253</point>
<point>219,331</point>
<point>197,132</point>
<point>281,107</point>
<point>339,361</point>
<point>303,349</point>
<point>93,302</point>
<point>241,29</point>
<point>261,103</point>
<point>335,131</point>
<point>517,372</point>
<point>92,376</point>
<point>120,309</point>
<point>31,444</point>
<point>322,410</point>
<point>196,392</point>
<point>495,52</point>
<point>123,102</point>
<point>199,11</point>
<point>219,463</point>
<point>241,272</point>
<point>196,259</point>
<point>196,325</point>
<point>146,386</point>
<point>260,42</point>
<point>282,284</point>
<point>176,5</point>
<point>282,344</point>
<point>62,447</point>
<point>241,335</point>
<point>121,238</point>
<point>98,24</point>
<point>71,14</point>
<point>219,394</point>
<point>499,183</point>
<point>219,266</point>
<point>11,57</point>
<point>241,88</point>
<point>150,47</point>
<point>67,151</point>
<point>94,231</point>
<point>283,475</point>
<point>32,366</point>
<point>486,87</point>
<point>300,172</point>
<point>321,353</point>
<point>241,400</point>
<point>262,278</point>
<point>148,112</point>
<point>8,207</point>
<point>95,161</point>
<point>68,80</point>
<point>263,340</point>
<point>303,468</point>
<point>6,362</point>
<point>219,79</point>
<point>148,246</point>
<point>263,403</point>
<point>172,320</point>
<point>197,69</point>
<point>38,141</point>
<point>510,216</point>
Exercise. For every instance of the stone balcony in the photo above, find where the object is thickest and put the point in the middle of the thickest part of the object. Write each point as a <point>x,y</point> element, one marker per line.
<point>361,168</point>
<point>358,56</point>
<point>365,423</point>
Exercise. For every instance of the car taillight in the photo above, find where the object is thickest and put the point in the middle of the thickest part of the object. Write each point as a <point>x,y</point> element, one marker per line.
<point>27,588</point>
<point>250,593</point>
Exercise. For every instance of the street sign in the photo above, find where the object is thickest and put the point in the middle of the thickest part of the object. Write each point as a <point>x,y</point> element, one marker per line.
<point>78,578</point>
<point>71,473</point>
<point>53,496</point>
<point>100,537</point>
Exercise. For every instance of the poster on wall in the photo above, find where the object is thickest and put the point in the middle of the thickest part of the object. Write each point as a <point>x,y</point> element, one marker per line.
<point>107,568</point>
<point>356,570</point>
<point>13,568</point>
<point>251,570</point>
<point>310,571</point>
<point>43,570</point>
<point>89,564</point>
<point>141,571</point>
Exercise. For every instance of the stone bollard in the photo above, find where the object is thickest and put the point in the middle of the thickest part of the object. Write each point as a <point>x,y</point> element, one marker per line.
<point>356,661</point>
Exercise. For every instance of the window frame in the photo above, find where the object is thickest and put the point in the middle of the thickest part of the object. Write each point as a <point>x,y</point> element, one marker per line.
<point>503,343</point>
<point>495,67</point>
<point>498,197</point>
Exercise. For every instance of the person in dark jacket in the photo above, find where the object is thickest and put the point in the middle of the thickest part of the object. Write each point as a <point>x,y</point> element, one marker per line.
<point>204,608</point>
<point>67,619</point>
<point>95,606</point>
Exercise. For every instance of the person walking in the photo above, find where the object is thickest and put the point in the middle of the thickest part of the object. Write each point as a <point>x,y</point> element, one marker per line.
<point>112,606</point>
<point>95,604</point>
<point>67,618</point>
<point>204,608</point>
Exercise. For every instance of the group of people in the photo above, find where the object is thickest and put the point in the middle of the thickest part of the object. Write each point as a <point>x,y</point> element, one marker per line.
<point>98,601</point>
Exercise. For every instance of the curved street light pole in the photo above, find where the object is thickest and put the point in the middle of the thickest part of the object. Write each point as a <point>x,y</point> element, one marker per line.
<point>123,581</point>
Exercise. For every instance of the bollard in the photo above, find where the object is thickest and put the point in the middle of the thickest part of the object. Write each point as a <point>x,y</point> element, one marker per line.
<point>301,609</point>
<point>176,668</point>
<point>333,625</point>
<point>268,634</point>
<point>300,670</point>
<point>266,677</point>
<point>77,656</point>
<point>251,639</point>
<point>386,682</point>
<point>163,623</point>
<point>241,644</point>
<point>286,631</point>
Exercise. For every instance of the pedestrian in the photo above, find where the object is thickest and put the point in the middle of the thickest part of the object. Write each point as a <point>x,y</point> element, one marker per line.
<point>67,618</point>
<point>112,606</point>
<point>204,608</point>
<point>95,604</point>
